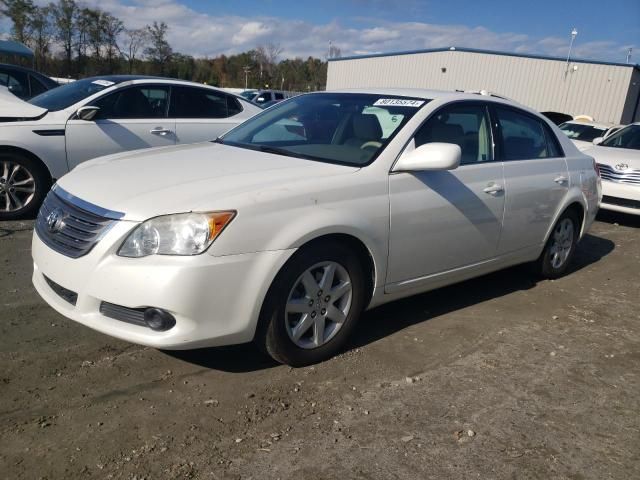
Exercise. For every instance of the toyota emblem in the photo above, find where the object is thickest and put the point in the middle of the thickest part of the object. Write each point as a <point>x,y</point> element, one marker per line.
<point>622,166</point>
<point>55,220</point>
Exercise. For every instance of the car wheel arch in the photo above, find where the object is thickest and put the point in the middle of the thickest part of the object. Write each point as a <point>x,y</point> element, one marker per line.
<point>574,203</point>
<point>8,149</point>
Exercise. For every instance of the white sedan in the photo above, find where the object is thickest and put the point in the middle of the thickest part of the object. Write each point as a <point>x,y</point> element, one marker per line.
<point>285,229</point>
<point>583,133</point>
<point>42,140</point>
<point>618,158</point>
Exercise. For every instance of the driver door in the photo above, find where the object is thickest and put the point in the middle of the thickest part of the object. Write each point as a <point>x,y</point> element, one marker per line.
<point>129,119</point>
<point>442,222</point>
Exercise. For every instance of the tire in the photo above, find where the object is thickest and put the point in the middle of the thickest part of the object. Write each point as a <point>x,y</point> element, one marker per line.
<point>560,247</point>
<point>295,306</point>
<point>23,185</point>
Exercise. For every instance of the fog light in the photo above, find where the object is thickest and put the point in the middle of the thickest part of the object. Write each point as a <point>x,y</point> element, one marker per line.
<point>158,320</point>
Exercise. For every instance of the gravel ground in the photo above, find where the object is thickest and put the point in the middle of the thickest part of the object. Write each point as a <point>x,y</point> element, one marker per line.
<point>498,377</point>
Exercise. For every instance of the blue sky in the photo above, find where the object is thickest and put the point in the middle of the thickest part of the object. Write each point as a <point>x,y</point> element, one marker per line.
<point>606,29</point>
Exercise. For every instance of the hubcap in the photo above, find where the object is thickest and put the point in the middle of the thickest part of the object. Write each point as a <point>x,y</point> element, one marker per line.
<point>562,243</point>
<point>17,186</point>
<point>318,304</point>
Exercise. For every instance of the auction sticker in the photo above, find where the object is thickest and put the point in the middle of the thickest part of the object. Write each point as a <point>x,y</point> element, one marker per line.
<point>103,83</point>
<point>398,102</point>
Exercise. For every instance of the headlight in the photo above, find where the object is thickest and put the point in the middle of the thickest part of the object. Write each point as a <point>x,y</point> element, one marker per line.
<point>180,234</point>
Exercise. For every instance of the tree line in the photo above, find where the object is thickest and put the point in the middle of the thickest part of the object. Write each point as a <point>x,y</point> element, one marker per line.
<point>71,40</point>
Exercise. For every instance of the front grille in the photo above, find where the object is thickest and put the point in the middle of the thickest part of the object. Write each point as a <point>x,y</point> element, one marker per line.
<point>629,175</point>
<point>621,202</point>
<point>71,226</point>
<point>64,293</point>
<point>124,314</point>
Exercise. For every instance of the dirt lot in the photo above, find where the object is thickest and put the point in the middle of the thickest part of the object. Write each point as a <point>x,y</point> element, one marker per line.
<point>499,377</point>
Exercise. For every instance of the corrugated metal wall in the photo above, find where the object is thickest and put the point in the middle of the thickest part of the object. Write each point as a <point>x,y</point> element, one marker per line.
<point>593,89</point>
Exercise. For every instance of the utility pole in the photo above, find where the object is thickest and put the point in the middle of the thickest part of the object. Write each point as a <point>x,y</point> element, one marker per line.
<point>246,69</point>
<point>629,55</point>
<point>574,34</point>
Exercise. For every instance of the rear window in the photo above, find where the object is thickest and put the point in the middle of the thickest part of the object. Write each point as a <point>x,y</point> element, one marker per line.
<point>586,133</point>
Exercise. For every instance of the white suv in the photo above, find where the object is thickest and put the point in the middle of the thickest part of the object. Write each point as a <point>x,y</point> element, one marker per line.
<point>285,229</point>
<point>42,140</point>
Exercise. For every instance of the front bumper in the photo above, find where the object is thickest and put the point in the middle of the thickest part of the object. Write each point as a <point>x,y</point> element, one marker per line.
<point>215,300</point>
<point>620,197</point>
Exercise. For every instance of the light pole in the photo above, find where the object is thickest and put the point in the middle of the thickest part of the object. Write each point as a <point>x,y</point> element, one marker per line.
<point>629,55</point>
<point>246,70</point>
<point>574,34</point>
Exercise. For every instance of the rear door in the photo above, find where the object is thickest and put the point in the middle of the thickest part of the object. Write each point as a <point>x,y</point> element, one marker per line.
<point>536,177</point>
<point>203,114</point>
<point>445,220</point>
<point>130,118</point>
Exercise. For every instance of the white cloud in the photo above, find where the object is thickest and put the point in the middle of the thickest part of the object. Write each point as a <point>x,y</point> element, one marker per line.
<point>201,34</point>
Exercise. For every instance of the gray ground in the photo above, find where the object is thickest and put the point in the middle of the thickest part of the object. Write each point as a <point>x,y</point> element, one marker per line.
<point>499,377</point>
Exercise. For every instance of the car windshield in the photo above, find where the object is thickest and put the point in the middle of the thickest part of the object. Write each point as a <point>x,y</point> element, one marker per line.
<point>586,133</point>
<point>248,94</point>
<point>628,137</point>
<point>343,128</point>
<point>66,95</point>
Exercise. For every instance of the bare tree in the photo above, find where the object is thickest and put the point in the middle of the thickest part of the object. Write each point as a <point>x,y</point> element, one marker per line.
<point>134,43</point>
<point>19,11</point>
<point>266,56</point>
<point>334,52</point>
<point>65,14</point>
<point>41,29</point>
<point>112,27</point>
<point>159,51</point>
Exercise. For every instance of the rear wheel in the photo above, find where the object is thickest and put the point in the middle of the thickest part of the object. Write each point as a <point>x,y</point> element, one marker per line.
<point>313,305</point>
<point>23,185</point>
<point>560,247</point>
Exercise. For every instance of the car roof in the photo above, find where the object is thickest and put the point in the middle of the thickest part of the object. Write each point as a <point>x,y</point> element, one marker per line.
<point>52,83</point>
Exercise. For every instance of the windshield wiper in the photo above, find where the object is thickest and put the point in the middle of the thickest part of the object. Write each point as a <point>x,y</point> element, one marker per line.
<point>280,151</point>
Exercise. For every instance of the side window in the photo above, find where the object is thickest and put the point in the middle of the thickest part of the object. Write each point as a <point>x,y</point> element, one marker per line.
<point>233,106</point>
<point>466,125</point>
<point>36,86</point>
<point>523,136</point>
<point>279,96</point>
<point>188,102</point>
<point>18,84</point>
<point>134,102</point>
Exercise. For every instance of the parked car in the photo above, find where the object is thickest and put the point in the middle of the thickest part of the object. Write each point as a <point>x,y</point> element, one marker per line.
<point>285,235</point>
<point>23,82</point>
<point>264,96</point>
<point>618,159</point>
<point>583,133</point>
<point>249,94</point>
<point>42,140</point>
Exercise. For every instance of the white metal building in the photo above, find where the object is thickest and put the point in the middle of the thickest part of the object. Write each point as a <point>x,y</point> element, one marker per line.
<point>609,92</point>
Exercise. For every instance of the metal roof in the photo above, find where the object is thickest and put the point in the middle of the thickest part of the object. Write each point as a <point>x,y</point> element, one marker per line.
<point>488,52</point>
<point>9,47</point>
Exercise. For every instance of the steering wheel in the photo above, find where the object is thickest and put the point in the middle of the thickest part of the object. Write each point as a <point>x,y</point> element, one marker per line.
<point>371,143</point>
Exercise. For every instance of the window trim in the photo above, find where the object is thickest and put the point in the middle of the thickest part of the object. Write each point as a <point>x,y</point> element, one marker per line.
<point>500,144</point>
<point>128,87</point>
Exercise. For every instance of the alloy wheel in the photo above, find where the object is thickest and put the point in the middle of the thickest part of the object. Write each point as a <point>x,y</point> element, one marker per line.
<point>563,237</point>
<point>318,304</point>
<point>17,186</point>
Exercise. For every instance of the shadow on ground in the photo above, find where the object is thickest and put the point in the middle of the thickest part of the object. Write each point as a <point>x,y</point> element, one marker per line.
<point>395,316</point>
<point>623,219</point>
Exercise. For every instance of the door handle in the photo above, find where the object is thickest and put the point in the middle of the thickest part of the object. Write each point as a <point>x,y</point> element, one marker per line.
<point>160,131</point>
<point>560,180</point>
<point>493,189</point>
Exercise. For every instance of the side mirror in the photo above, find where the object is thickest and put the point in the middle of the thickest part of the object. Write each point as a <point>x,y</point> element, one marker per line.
<point>87,113</point>
<point>430,156</point>
<point>598,140</point>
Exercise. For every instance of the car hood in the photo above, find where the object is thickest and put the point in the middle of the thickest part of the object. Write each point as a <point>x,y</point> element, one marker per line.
<point>615,156</point>
<point>197,177</point>
<point>582,145</point>
<point>14,107</point>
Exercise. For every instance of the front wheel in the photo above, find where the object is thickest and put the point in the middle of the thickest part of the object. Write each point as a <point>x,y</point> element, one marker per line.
<point>23,185</point>
<point>560,247</point>
<point>313,305</point>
